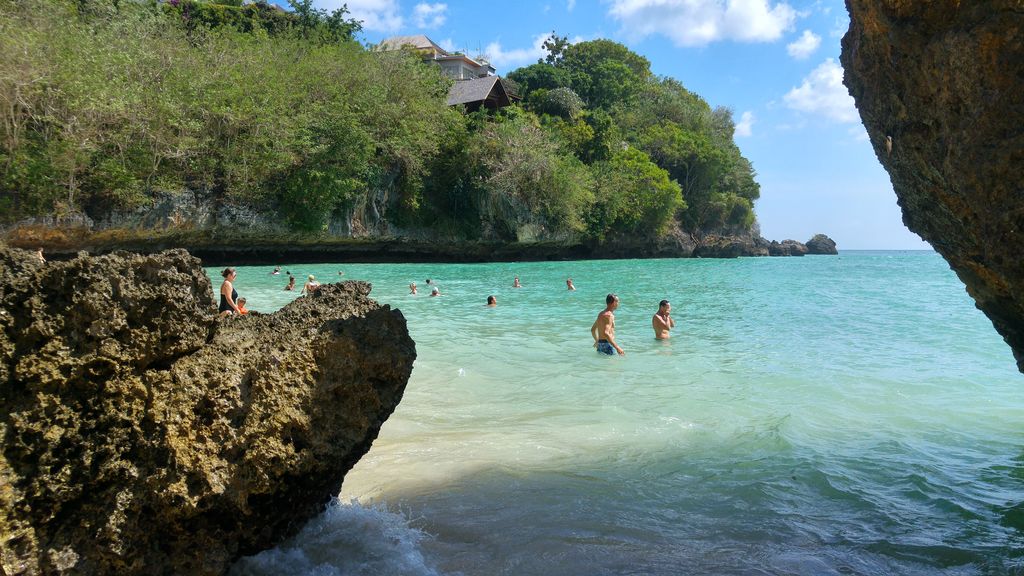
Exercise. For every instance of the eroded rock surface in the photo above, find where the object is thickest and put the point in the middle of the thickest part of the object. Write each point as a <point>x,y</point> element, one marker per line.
<point>940,88</point>
<point>787,248</point>
<point>142,435</point>
<point>821,244</point>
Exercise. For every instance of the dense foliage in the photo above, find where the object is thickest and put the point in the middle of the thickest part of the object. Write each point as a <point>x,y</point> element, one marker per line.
<point>109,106</point>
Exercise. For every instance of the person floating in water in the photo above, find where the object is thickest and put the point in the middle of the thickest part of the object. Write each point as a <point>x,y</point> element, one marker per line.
<point>515,283</point>
<point>291,283</point>
<point>277,270</point>
<point>435,292</point>
<point>492,301</point>
<point>241,306</point>
<point>569,284</point>
<point>412,288</point>
<point>662,321</point>
<point>603,329</point>
<point>228,294</point>
<point>310,286</point>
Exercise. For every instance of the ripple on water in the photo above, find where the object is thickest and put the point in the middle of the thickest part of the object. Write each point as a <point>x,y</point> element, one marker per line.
<point>851,415</point>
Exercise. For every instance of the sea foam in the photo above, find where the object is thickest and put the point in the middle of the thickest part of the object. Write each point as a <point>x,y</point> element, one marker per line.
<point>346,540</point>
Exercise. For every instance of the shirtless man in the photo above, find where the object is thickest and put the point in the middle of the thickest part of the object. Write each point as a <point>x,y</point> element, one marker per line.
<point>603,329</point>
<point>662,322</point>
<point>569,284</point>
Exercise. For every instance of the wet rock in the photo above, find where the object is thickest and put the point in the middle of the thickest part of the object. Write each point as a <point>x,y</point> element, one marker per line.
<point>940,89</point>
<point>143,435</point>
<point>821,244</point>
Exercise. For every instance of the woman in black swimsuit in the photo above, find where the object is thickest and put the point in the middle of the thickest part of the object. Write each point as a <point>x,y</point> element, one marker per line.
<point>228,294</point>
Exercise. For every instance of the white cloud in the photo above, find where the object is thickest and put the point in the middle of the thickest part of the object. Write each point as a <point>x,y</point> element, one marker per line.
<point>743,129</point>
<point>839,27</point>
<point>509,59</point>
<point>448,44</point>
<point>570,5</point>
<point>429,15</point>
<point>804,46</point>
<point>823,93</point>
<point>376,15</point>
<point>859,133</point>
<point>700,22</point>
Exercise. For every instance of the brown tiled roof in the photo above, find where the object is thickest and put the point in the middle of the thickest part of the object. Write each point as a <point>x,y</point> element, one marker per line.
<point>417,41</point>
<point>475,90</point>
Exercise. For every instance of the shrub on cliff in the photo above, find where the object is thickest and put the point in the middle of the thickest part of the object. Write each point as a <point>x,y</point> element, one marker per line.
<point>114,102</point>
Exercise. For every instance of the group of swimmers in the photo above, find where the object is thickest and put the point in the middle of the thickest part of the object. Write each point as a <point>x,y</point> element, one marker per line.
<point>602,330</point>
<point>434,290</point>
<point>309,287</point>
<point>230,303</point>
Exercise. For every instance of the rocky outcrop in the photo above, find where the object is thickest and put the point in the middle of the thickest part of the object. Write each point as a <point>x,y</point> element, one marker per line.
<point>786,248</point>
<point>143,435</point>
<point>821,244</point>
<point>940,88</point>
<point>713,246</point>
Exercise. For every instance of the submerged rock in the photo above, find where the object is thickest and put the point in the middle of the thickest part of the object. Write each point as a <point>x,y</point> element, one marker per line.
<point>940,89</point>
<point>143,435</point>
<point>821,244</point>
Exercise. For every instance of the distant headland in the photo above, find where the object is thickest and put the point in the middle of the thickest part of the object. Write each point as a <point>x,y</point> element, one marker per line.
<point>247,133</point>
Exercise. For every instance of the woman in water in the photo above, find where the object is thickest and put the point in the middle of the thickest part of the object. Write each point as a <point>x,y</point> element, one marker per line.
<point>228,294</point>
<point>310,286</point>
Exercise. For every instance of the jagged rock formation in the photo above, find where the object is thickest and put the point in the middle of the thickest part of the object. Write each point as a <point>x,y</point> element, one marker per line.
<point>786,248</point>
<point>821,244</point>
<point>142,435</point>
<point>940,88</point>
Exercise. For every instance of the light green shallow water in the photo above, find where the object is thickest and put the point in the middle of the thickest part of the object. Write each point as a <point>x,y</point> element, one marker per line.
<point>819,415</point>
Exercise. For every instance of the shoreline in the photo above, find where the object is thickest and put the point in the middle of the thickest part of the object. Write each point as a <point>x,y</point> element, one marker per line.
<point>224,247</point>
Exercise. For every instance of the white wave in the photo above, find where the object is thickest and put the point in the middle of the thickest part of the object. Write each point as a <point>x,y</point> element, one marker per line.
<point>346,540</point>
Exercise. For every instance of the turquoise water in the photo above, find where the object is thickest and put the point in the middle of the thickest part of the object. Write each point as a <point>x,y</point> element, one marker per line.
<point>819,415</point>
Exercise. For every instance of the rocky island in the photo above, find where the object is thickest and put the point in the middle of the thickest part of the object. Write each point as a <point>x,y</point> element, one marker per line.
<point>142,434</point>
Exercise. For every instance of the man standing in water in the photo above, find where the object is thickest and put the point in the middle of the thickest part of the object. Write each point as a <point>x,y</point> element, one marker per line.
<point>603,329</point>
<point>662,321</point>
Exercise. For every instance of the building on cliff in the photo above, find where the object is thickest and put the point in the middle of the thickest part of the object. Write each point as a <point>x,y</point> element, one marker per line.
<point>475,82</point>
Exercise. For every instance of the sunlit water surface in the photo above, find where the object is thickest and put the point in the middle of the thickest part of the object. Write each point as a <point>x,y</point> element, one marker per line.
<point>819,415</point>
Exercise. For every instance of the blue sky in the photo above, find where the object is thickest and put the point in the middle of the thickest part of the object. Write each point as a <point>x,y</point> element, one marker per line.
<point>775,64</point>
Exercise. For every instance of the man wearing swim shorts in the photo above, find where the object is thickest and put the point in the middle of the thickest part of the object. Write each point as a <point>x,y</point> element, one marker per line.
<point>603,329</point>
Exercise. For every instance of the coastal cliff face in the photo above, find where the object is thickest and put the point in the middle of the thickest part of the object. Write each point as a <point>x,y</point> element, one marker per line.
<point>940,88</point>
<point>143,435</point>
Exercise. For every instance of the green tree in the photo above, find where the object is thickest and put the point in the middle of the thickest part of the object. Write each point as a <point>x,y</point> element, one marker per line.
<point>604,73</point>
<point>634,196</point>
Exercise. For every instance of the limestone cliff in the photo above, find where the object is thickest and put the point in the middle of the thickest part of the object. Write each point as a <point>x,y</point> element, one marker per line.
<point>142,435</point>
<point>940,88</point>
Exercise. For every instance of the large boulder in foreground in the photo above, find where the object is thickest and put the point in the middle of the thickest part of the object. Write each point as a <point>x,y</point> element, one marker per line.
<point>940,88</point>
<point>142,435</point>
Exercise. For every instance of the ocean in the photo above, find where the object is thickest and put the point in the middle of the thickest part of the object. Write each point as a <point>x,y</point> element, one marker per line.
<point>851,414</point>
